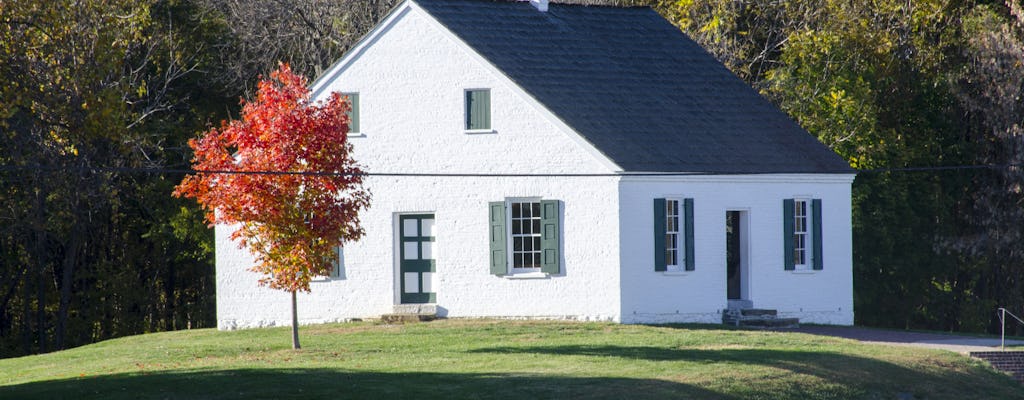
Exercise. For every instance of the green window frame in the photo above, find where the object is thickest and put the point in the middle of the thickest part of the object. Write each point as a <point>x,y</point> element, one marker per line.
<point>478,109</point>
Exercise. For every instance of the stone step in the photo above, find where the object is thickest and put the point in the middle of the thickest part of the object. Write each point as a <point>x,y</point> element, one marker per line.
<point>406,318</point>
<point>1011,362</point>
<point>758,312</point>
<point>772,323</point>
<point>765,323</point>
<point>757,318</point>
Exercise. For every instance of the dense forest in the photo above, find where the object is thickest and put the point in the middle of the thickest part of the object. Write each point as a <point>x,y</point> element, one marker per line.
<point>98,97</point>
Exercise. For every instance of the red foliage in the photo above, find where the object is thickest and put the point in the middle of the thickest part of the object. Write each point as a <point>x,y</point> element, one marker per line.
<point>292,218</point>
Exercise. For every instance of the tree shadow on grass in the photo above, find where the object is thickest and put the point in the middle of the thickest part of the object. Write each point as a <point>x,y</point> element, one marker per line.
<point>846,375</point>
<point>307,383</point>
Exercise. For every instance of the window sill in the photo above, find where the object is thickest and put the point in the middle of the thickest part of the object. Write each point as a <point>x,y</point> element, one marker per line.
<point>675,273</point>
<point>479,131</point>
<point>804,271</point>
<point>356,134</point>
<point>527,275</point>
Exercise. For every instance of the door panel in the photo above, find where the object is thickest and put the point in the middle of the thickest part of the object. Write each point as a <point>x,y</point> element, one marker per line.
<point>417,265</point>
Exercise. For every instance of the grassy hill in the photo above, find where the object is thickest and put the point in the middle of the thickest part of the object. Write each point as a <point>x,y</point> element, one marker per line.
<point>499,359</point>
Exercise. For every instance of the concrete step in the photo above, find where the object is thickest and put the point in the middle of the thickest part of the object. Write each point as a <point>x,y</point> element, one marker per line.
<point>415,309</point>
<point>740,304</point>
<point>405,313</point>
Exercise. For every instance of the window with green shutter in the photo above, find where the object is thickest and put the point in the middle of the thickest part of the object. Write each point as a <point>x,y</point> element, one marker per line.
<point>353,113</point>
<point>802,234</point>
<point>673,235</point>
<point>525,236</point>
<point>478,109</point>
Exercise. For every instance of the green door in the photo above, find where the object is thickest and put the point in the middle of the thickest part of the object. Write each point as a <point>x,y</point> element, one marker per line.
<point>417,266</point>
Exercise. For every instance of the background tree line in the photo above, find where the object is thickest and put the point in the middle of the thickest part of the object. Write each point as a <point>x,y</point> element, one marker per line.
<point>892,84</point>
<point>88,254</point>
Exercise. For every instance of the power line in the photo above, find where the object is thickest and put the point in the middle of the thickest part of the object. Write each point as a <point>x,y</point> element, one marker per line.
<point>154,170</point>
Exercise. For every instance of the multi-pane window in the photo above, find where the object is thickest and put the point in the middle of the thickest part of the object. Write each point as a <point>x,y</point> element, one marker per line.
<point>672,233</point>
<point>526,234</point>
<point>800,232</point>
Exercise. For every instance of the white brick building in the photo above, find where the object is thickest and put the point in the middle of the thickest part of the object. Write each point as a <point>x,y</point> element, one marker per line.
<point>640,181</point>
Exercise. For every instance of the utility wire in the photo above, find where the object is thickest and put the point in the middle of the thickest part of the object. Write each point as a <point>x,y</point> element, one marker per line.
<point>140,170</point>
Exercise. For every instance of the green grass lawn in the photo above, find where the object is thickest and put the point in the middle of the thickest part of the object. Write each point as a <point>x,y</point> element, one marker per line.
<point>499,359</point>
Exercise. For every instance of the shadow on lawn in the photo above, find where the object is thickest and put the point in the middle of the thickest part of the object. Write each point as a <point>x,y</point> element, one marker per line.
<point>305,383</point>
<point>851,375</point>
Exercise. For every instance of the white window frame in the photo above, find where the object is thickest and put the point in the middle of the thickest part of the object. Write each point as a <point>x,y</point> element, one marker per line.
<point>510,240</point>
<point>807,249</point>
<point>679,232</point>
<point>359,132</point>
<point>340,268</point>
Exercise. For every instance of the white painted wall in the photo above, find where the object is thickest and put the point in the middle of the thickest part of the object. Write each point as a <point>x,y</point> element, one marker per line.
<point>411,81</point>
<point>824,296</point>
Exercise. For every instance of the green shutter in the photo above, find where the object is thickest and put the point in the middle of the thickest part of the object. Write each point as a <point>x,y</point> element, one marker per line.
<point>551,260</point>
<point>787,234</point>
<point>353,113</point>
<point>469,109</point>
<point>499,255</point>
<point>659,235</point>
<point>816,258</point>
<point>688,210</point>
<point>478,109</point>
<point>485,109</point>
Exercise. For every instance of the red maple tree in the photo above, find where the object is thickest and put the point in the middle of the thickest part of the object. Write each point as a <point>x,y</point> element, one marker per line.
<point>284,175</point>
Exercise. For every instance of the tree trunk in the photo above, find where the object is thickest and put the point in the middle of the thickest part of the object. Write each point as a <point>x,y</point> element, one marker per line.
<point>295,324</point>
<point>67,279</point>
<point>40,259</point>
<point>41,308</point>
<point>14,283</point>
<point>26,320</point>
<point>170,316</point>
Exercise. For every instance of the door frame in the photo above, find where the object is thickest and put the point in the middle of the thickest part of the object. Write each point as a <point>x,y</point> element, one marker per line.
<point>396,249</point>
<point>744,248</point>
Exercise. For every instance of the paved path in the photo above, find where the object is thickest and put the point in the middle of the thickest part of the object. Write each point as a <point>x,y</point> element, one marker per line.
<point>956,343</point>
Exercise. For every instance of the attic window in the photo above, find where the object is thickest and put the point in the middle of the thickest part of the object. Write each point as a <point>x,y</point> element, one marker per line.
<point>478,110</point>
<point>353,113</point>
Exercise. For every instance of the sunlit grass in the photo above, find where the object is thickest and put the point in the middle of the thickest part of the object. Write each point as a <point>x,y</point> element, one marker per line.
<point>499,359</point>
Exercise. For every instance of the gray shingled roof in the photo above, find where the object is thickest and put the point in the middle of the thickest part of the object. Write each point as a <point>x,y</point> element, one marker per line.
<point>638,89</point>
